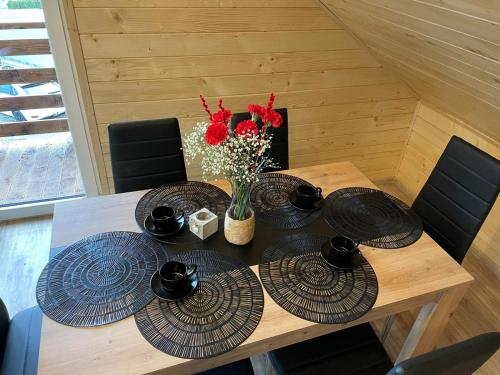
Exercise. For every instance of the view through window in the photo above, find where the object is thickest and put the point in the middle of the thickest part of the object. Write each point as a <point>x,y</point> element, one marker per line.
<point>37,158</point>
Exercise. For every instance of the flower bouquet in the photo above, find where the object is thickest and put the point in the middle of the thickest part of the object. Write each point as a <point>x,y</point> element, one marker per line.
<point>236,154</point>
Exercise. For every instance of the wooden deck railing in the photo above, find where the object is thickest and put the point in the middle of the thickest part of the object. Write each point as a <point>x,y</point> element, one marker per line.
<point>17,103</point>
<point>32,75</point>
<point>24,47</point>
<point>33,127</point>
<point>21,25</point>
<point>28,75</point>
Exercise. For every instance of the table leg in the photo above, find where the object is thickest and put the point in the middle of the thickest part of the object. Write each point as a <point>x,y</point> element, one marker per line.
<point>430,323</point>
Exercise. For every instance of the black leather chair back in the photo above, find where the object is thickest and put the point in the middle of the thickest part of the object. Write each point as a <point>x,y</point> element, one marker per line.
<point>354,350</point>
<point>463,358</point>
<point>457,197</point>
<point>4,328</point>
<point>146,154</point>
<point>279,146</point>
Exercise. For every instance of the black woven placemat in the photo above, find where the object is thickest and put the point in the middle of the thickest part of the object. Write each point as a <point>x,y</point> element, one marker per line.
<point>373,217</point>
<point>270,200</point>
<point>100,279</point>
<point>189,196</point>
<point>224,310</point>
<point>299,280</point>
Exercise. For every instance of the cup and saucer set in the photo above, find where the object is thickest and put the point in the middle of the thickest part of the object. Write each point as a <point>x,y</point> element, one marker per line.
<point>174,281</point>
<point>342,252</point>
<point>306,198</point>
<point>164,221</point>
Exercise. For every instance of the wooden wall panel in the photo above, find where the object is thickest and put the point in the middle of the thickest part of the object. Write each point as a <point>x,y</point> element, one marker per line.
<point>181,88</point>
<point>429,135</point>
<point>146,68</point>
<point>152,58</point>
<point>178,20</point>
<point>195,3</point>
<point>485,9</point>
<point>208,44</point>
<point>447,51</point>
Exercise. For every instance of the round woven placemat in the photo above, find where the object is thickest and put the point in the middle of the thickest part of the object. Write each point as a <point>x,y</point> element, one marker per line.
<point>100,279</point>
<point>270,200</point>
<point>299,280</point>
<point>224,310</point>
<point>373,217</point>
<point>189,196</point>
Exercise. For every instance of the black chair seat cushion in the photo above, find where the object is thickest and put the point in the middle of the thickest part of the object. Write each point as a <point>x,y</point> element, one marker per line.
<point>458,195</point>
<point>243,367</point>
<point>146,154</point>
<point>23,343</point>
<point>279,145</point>
<point>355,350</point>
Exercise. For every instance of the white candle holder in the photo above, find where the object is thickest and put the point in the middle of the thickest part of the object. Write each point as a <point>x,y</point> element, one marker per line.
<point>203,223</point>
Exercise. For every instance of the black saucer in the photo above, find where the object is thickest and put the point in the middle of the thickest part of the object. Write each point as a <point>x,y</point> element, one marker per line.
<point>151,229</point>
<point>317,204</point>
<point>161,293</point>
<point>355,261</point>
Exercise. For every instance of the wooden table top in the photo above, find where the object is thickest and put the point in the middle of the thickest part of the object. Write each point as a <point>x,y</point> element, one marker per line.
<point>408,278</point>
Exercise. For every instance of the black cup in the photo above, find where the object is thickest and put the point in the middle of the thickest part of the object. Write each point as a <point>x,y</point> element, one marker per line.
<point>342,252</point>
<point>177,276</point>
<point>306,195</point>
<point>166,218</point>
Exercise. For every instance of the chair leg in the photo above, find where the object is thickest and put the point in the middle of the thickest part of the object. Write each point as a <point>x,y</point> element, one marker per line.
<point>262,365</point>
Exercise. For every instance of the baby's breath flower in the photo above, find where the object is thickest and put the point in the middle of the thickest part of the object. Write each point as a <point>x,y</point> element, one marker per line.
<point>238,158</point>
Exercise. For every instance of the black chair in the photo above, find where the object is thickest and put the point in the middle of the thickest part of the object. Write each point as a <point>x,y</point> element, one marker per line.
<point>458,195</point>
<point>463,358</point>
<point>357,351</point>
<point>19,341</point>
<point>146,154</point>
<point>279,146</point>
<point>243,367</point>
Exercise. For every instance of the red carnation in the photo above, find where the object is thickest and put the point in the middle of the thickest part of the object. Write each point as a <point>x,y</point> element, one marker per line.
<point>257,110</point>
<point>273,118</point>
<point>276,119</point>
<point>246,128</point>
<point>216,133</point>
<point>224,115</point>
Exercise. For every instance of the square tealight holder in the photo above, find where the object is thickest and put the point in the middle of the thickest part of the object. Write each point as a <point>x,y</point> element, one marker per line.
<point>203,223</point>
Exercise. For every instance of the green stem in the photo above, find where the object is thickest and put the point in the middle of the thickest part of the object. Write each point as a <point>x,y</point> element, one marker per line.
<point>241,199</point>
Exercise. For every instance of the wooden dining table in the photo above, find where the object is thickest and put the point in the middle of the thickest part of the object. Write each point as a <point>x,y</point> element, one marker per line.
<point>420,275</point>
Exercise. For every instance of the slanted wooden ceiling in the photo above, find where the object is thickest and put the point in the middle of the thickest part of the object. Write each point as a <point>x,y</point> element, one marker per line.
<point>448,51</point>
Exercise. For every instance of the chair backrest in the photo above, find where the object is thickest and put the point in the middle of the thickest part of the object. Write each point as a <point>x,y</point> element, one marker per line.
<point>457,197</point>
<point>279,146</point>
<point>463,358</point>
<point>146,154</point>
<point>4,328</point>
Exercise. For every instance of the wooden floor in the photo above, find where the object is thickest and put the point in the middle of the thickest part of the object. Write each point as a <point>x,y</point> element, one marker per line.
<point>24,249</point>
<point>38,167</point>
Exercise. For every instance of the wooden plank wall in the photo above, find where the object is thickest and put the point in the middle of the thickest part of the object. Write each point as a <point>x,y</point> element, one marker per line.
<point>430,132</point>
<point>448,51</point>
<point>152,58</point>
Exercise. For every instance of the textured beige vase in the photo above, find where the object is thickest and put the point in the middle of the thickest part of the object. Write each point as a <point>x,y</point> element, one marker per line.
<point>239,232</point>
